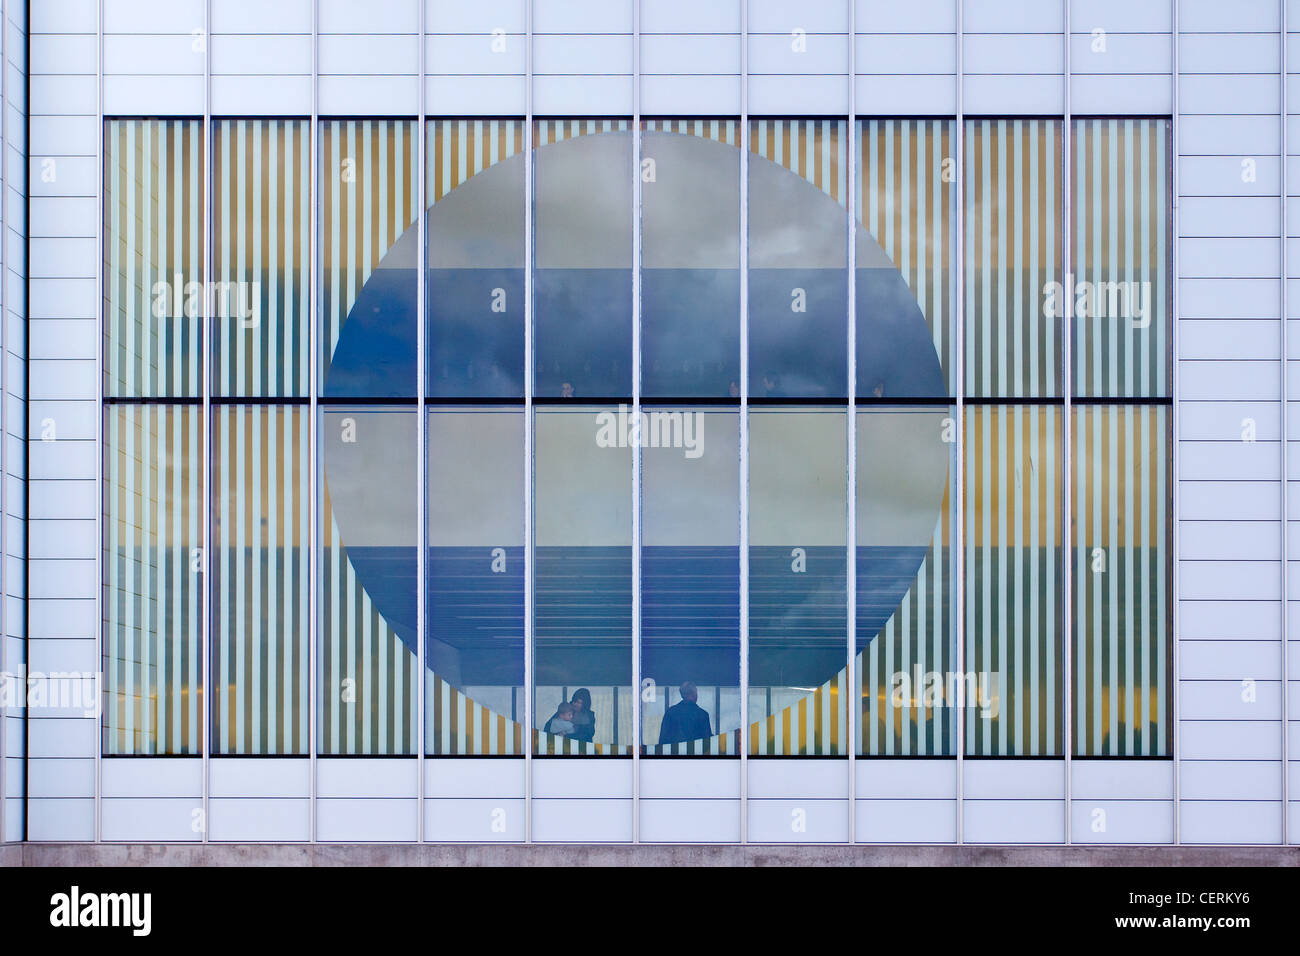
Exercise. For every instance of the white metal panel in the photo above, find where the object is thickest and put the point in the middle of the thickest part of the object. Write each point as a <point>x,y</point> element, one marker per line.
<point>63,216</point>
<point>1212,660</point>
<point>798,821</point>
<point>893,53</point>
<point>72,538</point>
<point>1122,821</point>
<point>60,820</point>
<point>1219,421</point>
<point>1014,779</point>
<point>260,777</point>
<point>803,778</point>
<point>1231,580</point>
<point>144,820</point>
<point>1231,740</point>
<point>63,258</point>
<point>670,778</point>
<point>569,54</point>
<point>1013,95</point>
<point>63,378</point>
<point>705,53</point>
<point>917,16</point>
<point>905,821</point>
<point>801,95</point>
<point>473,777</point>
<point>1229,381</point>
<point>582,821</point>
<point>134,55</point>
<point>368,95</point>
<point>1012,16</point>
<point>474,54</point>
<point>906,95</point>
<point>1232,699</point>
<point>258,16</point>
<point>261,55</point>
<point>65,94</point>
<point>782,16</point>
<point>697,820</point>
<point>1122,779</point>
<point>882,778</point>
<point>1227,298</point>
<point>61,52</point>
<point>369,55</point>
<point>1013,53</point>
<point>684,95</point>
<point>1218,216</point>
<point>1231,780</point>
<point>374,16</point>
<point>371,777</point>
<point>1228,620</point>
<point>1230,258</point>
<point>582,16</point>
<point>57,338</point>
<point>258,821</point>
<point>152,777</point>
<point>59,579</point>
<point>690,16</point>
<point>482,16</point>
<point>1214,821</point>
<point>1227,136</point>
<point>1119,95</point>
<point>1123,53</point>
<point>60,777</point>
<point>1218,93</point>
<point>582,777</point>
<point>54,499</point>
<point>475,95</point>
<point>1228,53</point>
<point>61,736</point>
<point>62,619</point>
<point>811,53</point>
<point>1228,176</point>
<point>154,16</point>
<point>63,16</point>
<point>1229,541</point>
<point>1134,15</point>
<point>153,95</point>
<point>1242,16</point>
<point>366,821</point>
<point>64,135</point>
<point>474,820</point>
<point>1014,821</point>
<point>582,95</point>
<point>260,95</point>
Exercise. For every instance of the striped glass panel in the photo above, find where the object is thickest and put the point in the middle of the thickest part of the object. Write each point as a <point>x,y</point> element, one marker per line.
<point>583,579</point>
<point>1120,295</point>
<point>474,641</point>
<point>368,200</point>
<point>1012,704</point>
<point>690,258</point>
<point>153,258</point>
<point>908,207</point>
<point>260,482</point>
<point>906,628</point>
<point>798,258</point>
<point>1013,256</point>
<point>1122,581</point>
<point>797,582</point>
<point>153,579</point>
<point>261,228</point>
<point>367,651</point>
<point>475,298</point>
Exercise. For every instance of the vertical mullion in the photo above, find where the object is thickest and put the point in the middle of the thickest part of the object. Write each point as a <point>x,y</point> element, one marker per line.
<point>422,437</point>
<point>205,461</point>
<point>1067,427</point>
<point>529,421</point>
<point>852,693</point>
<point>311,431</point>
<point>744,422</point>
<point>959,378</point>
<point>636,412</point>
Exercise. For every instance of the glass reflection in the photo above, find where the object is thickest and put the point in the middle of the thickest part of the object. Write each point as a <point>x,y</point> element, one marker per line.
<point>583,579</point>
<point>474,644</point>
<point>797,582</point>
<point>690,581</point>
<point>583,279</point>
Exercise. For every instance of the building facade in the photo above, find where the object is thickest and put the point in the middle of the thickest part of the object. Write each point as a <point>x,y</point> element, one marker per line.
<point>646,421</point>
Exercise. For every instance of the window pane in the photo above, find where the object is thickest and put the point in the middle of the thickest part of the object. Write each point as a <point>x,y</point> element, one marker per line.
<point>153,258</point>
<point>369,531</point>
<point>261,226</point>
<point>368,255</point>
<point>1122,582</point>
<point>905,290</point>
<point>798,642</point>
<point>153,579</point>
<point>583,580</point>
<point>474,651</point>
<point>1013,581</point>
<point>798,259</point>
<point>1013,252</point>
<point>259,580</point>
<point>690,581</point>
<point>1121,217</point>
<point>906,632</point>
<point>690,259</point>
<point>476,258</point>
<point>583,280</point>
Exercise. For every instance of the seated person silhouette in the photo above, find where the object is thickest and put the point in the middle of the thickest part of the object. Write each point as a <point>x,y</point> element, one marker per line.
<point>685,720</point>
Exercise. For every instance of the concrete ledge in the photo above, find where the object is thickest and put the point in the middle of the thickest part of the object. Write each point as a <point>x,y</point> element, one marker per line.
<point>11,854</point>
<point>406,854</point>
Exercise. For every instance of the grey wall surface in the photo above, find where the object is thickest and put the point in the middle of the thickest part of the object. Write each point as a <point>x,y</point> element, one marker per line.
<point>1226,98</point>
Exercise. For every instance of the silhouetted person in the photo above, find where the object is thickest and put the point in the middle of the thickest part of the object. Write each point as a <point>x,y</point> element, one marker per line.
<point>685,720</point>
<point>584,718</point>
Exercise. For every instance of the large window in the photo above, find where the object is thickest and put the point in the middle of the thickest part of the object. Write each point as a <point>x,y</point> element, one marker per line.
<point>712,518</point>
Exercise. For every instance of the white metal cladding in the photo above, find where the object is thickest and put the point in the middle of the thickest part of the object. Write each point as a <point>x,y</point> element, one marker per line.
<point>1227,89</point>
